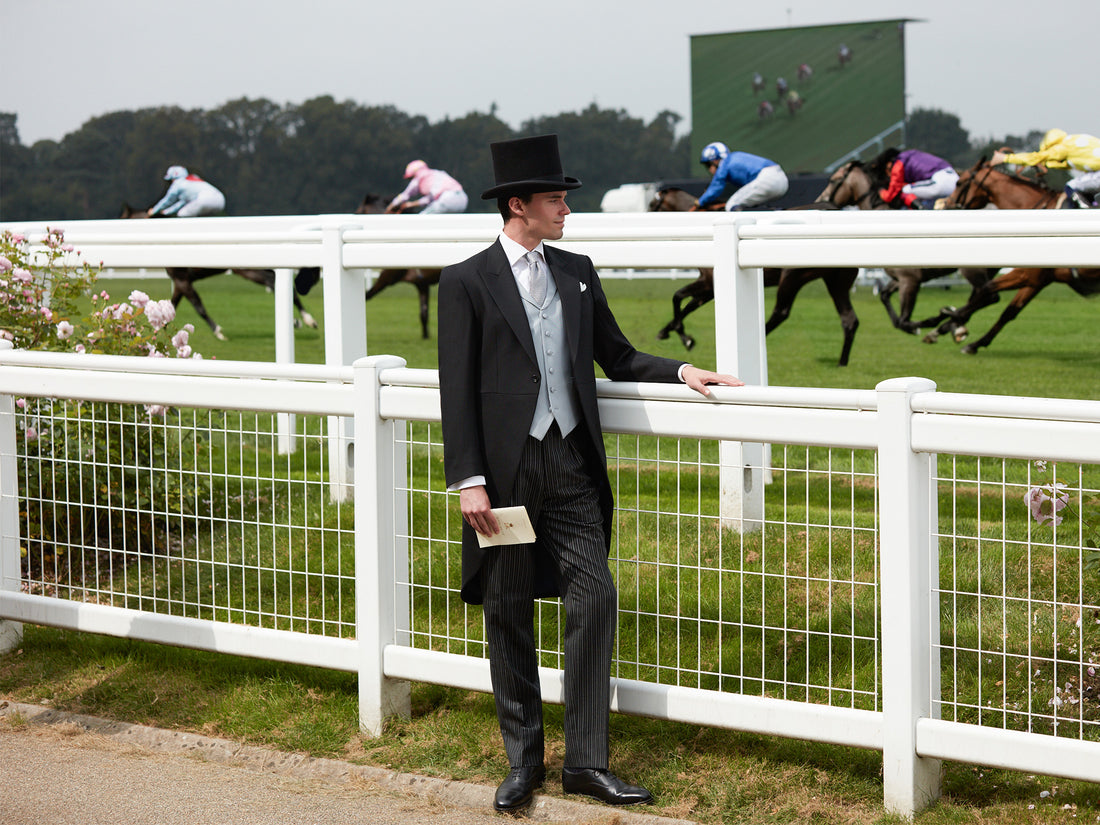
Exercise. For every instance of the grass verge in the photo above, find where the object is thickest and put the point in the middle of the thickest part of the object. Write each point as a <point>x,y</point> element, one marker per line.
<point>706,774</point>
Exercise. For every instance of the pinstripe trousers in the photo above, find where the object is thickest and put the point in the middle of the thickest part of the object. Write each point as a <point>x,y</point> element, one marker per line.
<point>554,482</point>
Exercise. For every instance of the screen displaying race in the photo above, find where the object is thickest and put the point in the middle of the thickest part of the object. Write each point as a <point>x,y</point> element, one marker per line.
<point>803,96</point>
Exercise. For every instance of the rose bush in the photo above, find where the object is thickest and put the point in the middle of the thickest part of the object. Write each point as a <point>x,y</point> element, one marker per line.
<point>1051,501</point>
<point>92,475</point>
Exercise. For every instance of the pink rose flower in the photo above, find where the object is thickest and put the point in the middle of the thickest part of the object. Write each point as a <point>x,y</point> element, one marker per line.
<point>160,313</point>
<point>1046,502</point>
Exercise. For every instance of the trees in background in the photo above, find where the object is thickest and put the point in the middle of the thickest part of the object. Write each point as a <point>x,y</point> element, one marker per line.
<point>317,156</point>
<point>940,133</point>
<point>324,156</point>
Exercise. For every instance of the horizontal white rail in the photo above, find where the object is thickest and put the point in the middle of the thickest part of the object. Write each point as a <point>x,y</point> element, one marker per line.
<point>179,366</point>
<point>203,634</point>
<point>799,238</point>
<point>838,726</point>
<point>1012,750</point>
<point>999,251</point>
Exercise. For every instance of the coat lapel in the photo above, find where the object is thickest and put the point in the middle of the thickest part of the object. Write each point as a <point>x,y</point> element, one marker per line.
<point>502,287</point>
<point>569,291</point>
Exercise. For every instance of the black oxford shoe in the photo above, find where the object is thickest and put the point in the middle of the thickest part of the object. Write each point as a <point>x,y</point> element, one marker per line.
<point>518,787</point>
<point>604,786</point>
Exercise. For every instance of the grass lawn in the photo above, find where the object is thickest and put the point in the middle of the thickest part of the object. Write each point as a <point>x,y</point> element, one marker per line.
<point>1049,351</point>
<point>705,774</point>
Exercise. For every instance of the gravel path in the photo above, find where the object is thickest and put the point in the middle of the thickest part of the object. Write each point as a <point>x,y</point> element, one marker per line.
<point>65,769</point>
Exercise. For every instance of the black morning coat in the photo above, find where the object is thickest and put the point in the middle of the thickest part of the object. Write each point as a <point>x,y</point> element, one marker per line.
<point>489,380</point>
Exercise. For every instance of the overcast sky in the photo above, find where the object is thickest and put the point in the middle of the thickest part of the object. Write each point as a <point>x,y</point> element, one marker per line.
<point>1001,67</point>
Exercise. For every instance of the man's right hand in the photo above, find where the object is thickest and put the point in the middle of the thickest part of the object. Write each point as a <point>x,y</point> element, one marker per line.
<point>477,511</point>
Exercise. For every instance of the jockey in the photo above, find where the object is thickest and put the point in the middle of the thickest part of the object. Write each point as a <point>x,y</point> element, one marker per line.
<point>1078,153</point>
<point>433,189</point>
<point>188,196</point>
<point>915,176</point>
<point>757,180</point>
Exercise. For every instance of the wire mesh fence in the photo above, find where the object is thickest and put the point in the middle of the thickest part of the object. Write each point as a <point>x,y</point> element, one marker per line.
<point>788,611</point>
<point>196,513</point>
<point>1019,609</point>
<point>190,513</point>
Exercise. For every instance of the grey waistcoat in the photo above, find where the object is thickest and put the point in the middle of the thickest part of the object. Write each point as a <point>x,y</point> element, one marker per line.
<point>557,399</point>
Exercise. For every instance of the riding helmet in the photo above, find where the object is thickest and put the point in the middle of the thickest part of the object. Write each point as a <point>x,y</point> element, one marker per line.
<point>414,168</point>
<point>713,152</point>
<point>175,172</point>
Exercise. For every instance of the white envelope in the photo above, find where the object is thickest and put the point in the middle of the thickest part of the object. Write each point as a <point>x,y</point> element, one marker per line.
<point>515,528</point>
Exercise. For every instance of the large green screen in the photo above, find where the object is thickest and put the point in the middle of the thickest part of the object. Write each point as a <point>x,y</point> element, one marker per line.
<point>845,105</point>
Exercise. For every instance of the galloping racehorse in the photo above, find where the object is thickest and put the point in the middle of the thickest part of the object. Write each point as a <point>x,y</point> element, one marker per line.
<point>183,283</point>
<point>983,185</point>
<point>422,279</point>
<point>851,185</point>
<point>788,282</point>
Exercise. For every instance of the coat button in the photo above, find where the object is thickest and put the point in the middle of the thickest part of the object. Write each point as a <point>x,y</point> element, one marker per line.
<point>535,378</point>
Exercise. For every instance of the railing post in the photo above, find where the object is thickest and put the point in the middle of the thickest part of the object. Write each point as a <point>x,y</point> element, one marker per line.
<point>345,341</point>
<point>739,345</point>
<point>909,573</point>
<point>285,423</point>
<point>381,548</point>
<point>11,633</point>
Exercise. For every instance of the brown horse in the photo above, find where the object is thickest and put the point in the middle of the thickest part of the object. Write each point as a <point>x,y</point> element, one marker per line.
<point>853,185</point>
<point>1028,283</point>
<point>183,283</point>
<point>982,185</point>
<point>788,283</point>
<point>422,279</point>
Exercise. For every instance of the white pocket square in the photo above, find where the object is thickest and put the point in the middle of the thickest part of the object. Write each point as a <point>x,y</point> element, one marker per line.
<point>584,286</point>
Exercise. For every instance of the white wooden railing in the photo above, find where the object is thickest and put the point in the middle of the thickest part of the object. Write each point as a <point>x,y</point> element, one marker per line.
<point>905,422</point>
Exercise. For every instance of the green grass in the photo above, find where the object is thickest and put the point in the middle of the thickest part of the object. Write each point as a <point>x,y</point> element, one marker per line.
<point>706,774</point>
<point>1049,351</point>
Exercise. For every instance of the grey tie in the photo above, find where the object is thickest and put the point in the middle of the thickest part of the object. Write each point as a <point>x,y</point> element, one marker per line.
<point>538,277</point>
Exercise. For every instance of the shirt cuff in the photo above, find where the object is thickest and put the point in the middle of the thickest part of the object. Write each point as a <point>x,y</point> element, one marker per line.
<point>472,481</point>
<point>680,372</point>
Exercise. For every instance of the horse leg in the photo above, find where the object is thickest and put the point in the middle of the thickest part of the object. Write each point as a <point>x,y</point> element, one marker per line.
<point>425,301</point>
<point>700,291</point>
<point>387,277</point>
<point>303,315</point>
<point>1032,279</point>
<point>905,282</point>
<point>787,283</point>
<point>677,323</point>
<point>266,279</point>
<point>977,277</point>
<point>979,299</point>
<point>885,294</point>
<point>687,340</point>
<point>306,279</point>
<point>182,287</point>
<point>1020,300</point>
<point>839,283</point>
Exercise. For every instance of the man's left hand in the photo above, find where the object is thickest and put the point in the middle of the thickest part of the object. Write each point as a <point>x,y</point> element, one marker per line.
<point>698,379</point>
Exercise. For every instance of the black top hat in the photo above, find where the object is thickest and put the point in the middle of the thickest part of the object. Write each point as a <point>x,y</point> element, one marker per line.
<point>527,165</point>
